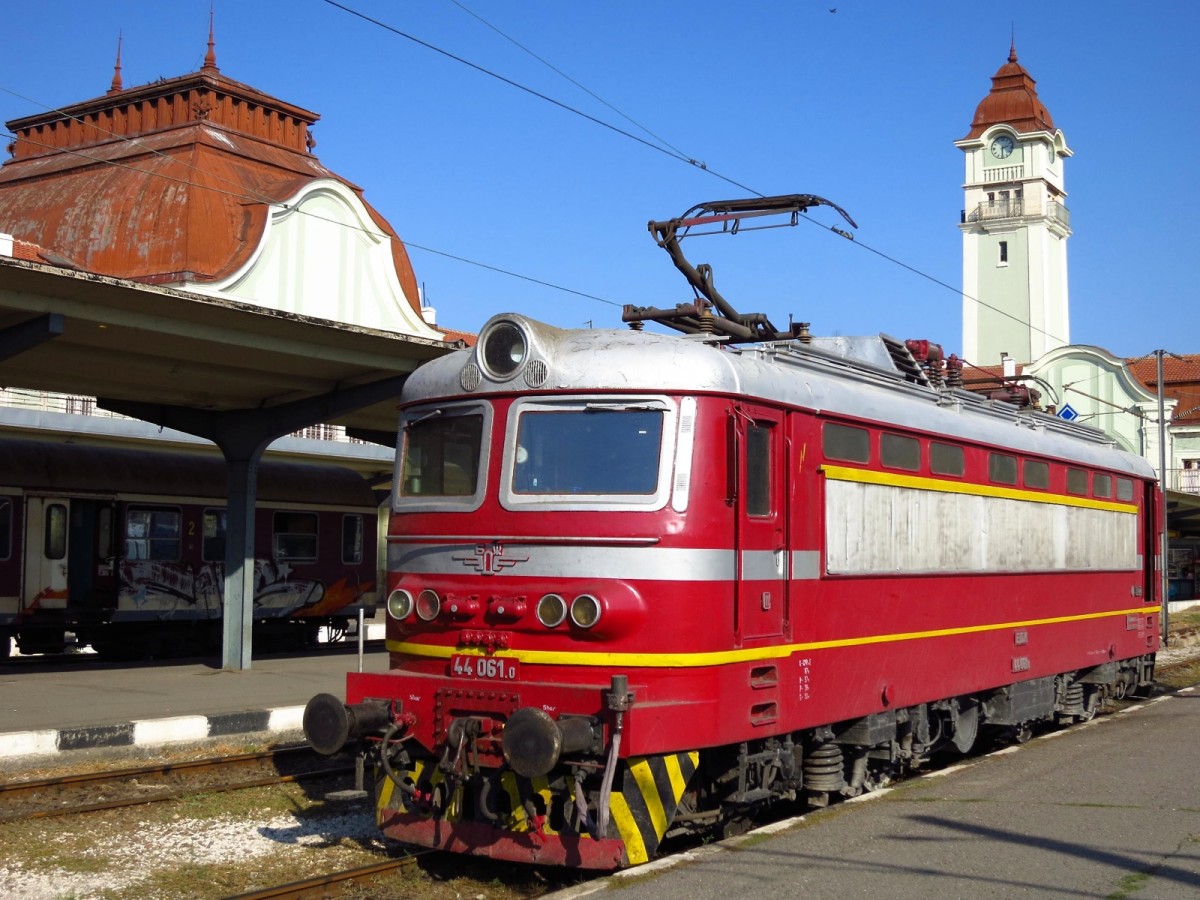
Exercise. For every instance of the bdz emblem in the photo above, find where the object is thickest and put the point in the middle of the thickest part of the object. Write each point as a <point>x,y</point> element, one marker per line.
<point>489,559</point>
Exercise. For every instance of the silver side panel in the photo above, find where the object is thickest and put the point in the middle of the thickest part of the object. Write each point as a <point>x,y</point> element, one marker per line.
<point>873,529</point>
<point>514,559</point>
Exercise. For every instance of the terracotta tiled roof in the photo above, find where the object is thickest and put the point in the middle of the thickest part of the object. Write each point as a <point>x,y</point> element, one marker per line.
<point>464,336</point>
<point>165,181</point>
<point>1181,382</point>
<point>1013,100</point>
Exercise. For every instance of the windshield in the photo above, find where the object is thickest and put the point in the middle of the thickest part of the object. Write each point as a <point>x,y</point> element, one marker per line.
<point>599,449</point>
<point>441,455</point>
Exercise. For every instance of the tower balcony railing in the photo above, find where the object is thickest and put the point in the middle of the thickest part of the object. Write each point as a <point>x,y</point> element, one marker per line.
<point>1017,209</point>
<point>1003,173</point>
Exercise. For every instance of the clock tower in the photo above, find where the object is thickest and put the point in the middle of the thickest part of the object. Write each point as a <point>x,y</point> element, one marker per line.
<point>1014,224</point>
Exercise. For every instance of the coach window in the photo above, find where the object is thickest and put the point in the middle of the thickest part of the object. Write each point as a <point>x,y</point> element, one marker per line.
<point>294,536</point>
<point>1124,490</point>
<point>152,533</point>
<point>213,549</point>
<point>946,459</point>
<point>1037,474</point>
<point>56,531</point>
<point>844,442</point>
<point>1102,486</point>
<point>1077,482</point>
<point>1002,468</point>
<point>352,539</point>
<point>6,508</point>
<point>758,470</point>
<point>899,452</point>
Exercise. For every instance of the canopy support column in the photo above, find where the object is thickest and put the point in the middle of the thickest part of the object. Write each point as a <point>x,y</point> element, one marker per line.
<point>243,435</point>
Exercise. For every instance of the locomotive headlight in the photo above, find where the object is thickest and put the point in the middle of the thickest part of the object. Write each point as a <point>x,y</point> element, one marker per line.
<point>551,610</point>
<point>400,604</point>
<point>585,610</point>
<point>503,350</point>
<point>428,604</point>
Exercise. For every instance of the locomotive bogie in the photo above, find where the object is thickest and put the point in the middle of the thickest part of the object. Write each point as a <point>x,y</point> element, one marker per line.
<point>694,582</point>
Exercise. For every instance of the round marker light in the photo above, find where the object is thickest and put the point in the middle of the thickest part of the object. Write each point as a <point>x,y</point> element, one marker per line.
<point>399,604</point>
<point>585,610</point>
<point>551,610</point>
<point>428,604</point>
<point>504,349</point>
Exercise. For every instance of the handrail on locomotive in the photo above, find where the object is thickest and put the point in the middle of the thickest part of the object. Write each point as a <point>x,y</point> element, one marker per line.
<point>698,317</point>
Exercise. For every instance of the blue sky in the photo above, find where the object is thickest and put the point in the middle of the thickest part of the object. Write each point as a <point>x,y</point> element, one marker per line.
<point>861,106</point>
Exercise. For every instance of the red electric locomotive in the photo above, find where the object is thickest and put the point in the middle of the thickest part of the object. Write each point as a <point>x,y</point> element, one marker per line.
<point>645,584</point>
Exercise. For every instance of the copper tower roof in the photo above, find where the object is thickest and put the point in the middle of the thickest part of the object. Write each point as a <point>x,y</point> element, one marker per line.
<point>1013,100</point>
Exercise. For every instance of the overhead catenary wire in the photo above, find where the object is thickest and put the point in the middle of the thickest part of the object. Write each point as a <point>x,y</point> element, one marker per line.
<point>672,152</point>
<point>668,150</point>
<point>539,95</point>
<point>553,68</point>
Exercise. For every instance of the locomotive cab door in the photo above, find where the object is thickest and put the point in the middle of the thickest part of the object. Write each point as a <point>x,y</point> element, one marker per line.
<point>760,528</point>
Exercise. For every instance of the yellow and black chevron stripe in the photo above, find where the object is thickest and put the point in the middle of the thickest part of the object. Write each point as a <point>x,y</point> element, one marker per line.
<point>642,810</point>
<point>646,804</point>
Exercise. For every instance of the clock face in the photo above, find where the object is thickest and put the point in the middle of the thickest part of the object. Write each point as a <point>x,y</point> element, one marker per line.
<point>1002,147</point>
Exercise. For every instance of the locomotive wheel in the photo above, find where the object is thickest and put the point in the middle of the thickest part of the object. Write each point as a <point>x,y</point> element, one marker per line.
<point>734,826</point>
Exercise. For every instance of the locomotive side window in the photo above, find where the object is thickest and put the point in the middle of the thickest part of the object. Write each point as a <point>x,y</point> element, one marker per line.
<point>1102,486</point>
<point>352,539</point>
<point>758,469</point>
<point>441,455</point>
<point>56,531</point>
<point>1037,474</point>
<point>599,450</point>
<point>1124,490</point>
<point>6,510</point>
<point>294,536</point>
<point>1077,482</point>
<point>152,533</point>
<point>213,549</point>
<point>896,451</point>
<point>946,459</point>
<point>844,442</point>
<point>1002,468</point>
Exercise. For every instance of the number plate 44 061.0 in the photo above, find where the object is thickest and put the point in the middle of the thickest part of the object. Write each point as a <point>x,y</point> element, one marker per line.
<point>489,668</point>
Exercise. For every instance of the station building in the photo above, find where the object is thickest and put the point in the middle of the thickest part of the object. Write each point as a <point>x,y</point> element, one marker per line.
<point>1015,226</point>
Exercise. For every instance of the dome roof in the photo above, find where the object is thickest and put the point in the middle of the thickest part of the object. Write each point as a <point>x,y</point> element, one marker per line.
<point>167,182</point>
<point>1012,101</point>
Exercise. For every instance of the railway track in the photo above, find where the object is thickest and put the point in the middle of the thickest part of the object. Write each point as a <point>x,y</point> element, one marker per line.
<point>93,791</point>
<point>329,885</point>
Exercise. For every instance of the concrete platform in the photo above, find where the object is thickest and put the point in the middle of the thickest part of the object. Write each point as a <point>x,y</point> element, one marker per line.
<point>86,704</point>
<point>1109,809</point>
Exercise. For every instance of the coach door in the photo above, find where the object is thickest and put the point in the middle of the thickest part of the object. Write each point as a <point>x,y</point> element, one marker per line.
<point>760,521</point>
<point>70,552</point>
<point>92,569</point>
<point>47,521</point>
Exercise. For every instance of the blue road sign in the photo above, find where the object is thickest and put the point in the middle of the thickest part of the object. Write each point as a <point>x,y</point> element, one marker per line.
<point>1068,412</point>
